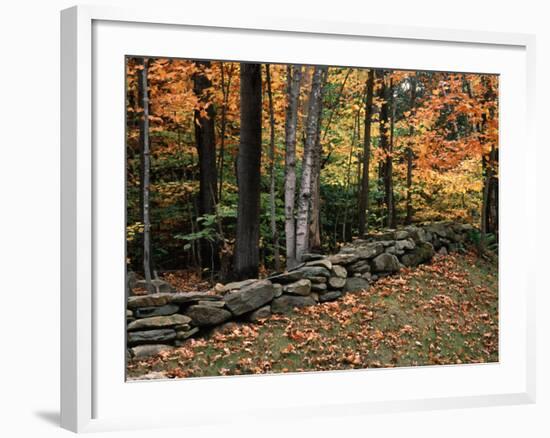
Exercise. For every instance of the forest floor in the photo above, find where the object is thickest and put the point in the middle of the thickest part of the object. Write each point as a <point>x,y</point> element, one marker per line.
<point>445,312</point>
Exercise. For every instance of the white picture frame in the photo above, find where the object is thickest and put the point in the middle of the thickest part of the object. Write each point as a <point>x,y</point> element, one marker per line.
<point>88,395</point>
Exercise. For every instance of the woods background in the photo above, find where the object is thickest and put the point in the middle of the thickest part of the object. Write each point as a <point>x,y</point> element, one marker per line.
<point>237,168</point>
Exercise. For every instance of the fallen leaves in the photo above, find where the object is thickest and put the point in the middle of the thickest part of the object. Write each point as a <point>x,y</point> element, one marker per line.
<point>442,313</point>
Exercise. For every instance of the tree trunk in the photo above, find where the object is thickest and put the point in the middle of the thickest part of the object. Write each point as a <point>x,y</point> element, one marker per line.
<point>484,204</point>
<point>492,214</point>
<point>489,210</point>
<point>145,179</point>
<point>206,147</point>
<point>384,141</point>
<point>315,223</point>
<point>364,197</point>
<point>410,156</point>
<point>248,173</point>
<point>274,232</point>
<point>294,76</point>
<point>226,87</point>
<point>348,177</point>
<point>390,204</point>
<point>303,216</point>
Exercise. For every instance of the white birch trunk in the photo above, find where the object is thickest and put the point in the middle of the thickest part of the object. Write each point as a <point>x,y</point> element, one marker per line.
<point>303,215</point>
<point>294,78</point>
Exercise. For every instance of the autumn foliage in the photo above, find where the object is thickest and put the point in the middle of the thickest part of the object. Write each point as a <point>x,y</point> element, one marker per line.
<point>443,130</point>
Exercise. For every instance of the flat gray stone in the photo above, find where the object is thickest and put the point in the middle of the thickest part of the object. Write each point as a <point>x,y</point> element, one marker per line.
<point>343,258</point>
<point>371,249</point>
<point>261,313</point>
<point>286,303</point>
<point>151,300</point>
<point>355,284</point>
<point>308,257</point>
<point>185,334</point>
<point>336,282</point>
<point>145,312</point>
<point>318,287</point>
<point>325,263</point>
<point>360,267</point>
<point>385,263</point>
<point>158,322</point>
<point>218,304</point>
<point>330,296</point>
<point>142,351</point>
<point>300,287</point>
<point>314,271</point>
<point>339,271</point>
<point>404,244</point>
<point>423,253</point>
<point>286,277</point>
<point>238,285</point>
<point>367,276</point>
<point>151,336</point>
<point>277,290</point>
<point>202,315</point>
<point>401,234</point>
<point>193,297</point>
<point>249,298</point>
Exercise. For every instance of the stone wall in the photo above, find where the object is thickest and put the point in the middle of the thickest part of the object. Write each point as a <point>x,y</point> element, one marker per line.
<point>166,319</point>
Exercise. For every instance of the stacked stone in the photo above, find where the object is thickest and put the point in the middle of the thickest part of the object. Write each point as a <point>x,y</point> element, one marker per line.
<point>157,322</point>
<point>316,280</point>
<point>165,320</point>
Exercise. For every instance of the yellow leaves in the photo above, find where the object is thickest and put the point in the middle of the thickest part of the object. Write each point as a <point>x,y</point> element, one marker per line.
<point>132,230</point>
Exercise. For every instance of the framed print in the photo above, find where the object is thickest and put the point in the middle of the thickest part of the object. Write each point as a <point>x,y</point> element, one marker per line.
<point>319,214</point>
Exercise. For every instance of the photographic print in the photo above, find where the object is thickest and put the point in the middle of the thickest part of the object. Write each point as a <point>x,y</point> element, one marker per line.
<point>297,218</point>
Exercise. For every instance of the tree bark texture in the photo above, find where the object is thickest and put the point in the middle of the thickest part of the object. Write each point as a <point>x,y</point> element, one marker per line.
<point>206,147</point>
<point>364,196</point>
<point>294,77</point>
<point>246,257</point>
<point>315,222</point>
<point>272,191</point>
<point>410,156</point>
<point>303,214</point>
<point>145,179</point>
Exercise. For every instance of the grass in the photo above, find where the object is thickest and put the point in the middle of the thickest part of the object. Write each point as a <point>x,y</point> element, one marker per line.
<point>445,312</point>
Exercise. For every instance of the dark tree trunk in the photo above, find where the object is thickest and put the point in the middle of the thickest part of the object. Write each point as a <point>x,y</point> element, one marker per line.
<point>489,213</point>
<point>390,202</point>
<point>272,194</point>
<point>410,156</point>
<point>206,148</point>
<point>248,173</point>
<point>348,179</point>
<point>145,171</point>
<point>315,223</point>
<point>226,86</point>
<point>384,138</point>
<point>492,214</point>
<point>364,196</point>
<point>294,76</point>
